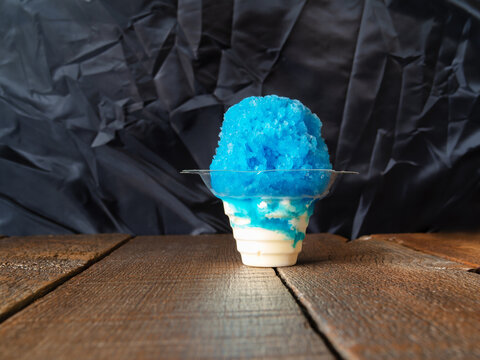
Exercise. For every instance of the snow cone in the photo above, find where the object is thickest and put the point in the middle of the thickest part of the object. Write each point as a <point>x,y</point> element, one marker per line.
<point>270,167</point>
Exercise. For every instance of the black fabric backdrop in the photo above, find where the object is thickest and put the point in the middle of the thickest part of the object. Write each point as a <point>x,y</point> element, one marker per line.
<point>103,102</point>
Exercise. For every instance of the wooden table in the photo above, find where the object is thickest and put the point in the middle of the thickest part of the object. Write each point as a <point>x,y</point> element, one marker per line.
<point>403,296</point>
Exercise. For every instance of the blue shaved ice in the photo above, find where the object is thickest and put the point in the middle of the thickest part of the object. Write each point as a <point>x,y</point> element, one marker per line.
<point>268,133</point>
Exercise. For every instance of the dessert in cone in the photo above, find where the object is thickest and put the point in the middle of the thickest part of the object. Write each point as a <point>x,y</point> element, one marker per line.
<point>270,166</point>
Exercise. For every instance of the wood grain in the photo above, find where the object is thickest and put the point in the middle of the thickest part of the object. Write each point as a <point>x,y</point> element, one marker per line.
<point>380,300</point>
<point>31,266</point>
<point>459,247</point>
<point>172,297</point>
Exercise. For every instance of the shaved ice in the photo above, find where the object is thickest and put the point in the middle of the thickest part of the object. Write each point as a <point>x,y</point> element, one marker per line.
<point>266,171</point>
<point>271,133</point>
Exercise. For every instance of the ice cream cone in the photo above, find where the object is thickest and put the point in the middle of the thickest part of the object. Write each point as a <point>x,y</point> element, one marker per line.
<point>268,232</point>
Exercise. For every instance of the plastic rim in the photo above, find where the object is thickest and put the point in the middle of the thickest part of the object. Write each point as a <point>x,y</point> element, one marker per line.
<point>205,171</point>
<point>206,175</point>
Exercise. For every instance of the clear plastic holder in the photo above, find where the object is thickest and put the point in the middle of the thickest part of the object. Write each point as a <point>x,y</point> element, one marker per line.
<point>269,212</point>
<point>248,176</point>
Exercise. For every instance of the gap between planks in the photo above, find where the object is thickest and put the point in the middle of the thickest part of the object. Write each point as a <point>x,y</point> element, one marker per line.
<point>44,290</point>
<point>306,313</point>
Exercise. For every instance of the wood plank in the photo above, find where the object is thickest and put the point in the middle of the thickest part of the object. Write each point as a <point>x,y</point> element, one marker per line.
<point>165,297</point>
<point>460,247</point>
<point>380,300</point>
<point>31,266</point>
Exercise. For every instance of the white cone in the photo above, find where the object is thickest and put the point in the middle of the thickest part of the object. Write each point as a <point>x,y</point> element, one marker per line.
<point>265,247</point>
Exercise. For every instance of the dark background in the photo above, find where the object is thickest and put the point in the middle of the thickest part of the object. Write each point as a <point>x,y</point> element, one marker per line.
<point>103,102</point>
